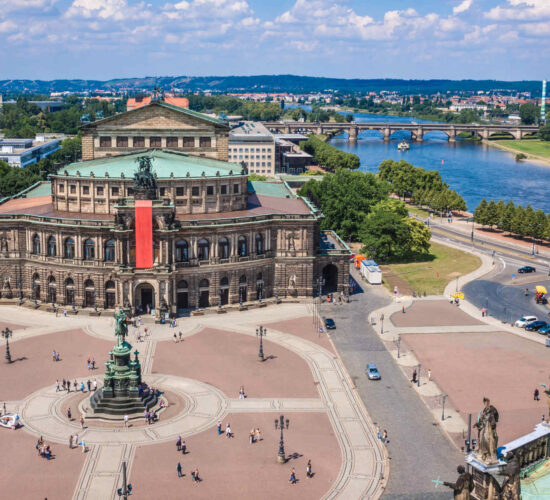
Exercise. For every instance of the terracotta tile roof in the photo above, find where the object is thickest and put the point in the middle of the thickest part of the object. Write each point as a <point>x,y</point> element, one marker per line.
<point>138,102</point>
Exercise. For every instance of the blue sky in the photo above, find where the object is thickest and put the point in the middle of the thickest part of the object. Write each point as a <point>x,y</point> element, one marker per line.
<point>102,39</point>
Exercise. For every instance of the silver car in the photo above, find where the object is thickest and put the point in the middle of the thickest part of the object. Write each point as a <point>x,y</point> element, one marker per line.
<point>372,372</point>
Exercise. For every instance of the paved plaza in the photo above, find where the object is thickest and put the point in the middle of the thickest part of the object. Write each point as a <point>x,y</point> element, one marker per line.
<point>200,378</point>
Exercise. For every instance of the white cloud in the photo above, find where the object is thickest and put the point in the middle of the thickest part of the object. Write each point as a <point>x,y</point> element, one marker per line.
<point>7,27</point>
<point>520,10</point>
<point>462,7</point>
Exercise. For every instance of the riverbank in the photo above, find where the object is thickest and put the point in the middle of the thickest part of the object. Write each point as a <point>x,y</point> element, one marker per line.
<point>536,151</point>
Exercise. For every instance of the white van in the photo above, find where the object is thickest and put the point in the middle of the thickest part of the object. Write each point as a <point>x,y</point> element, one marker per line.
<point>524,321</point>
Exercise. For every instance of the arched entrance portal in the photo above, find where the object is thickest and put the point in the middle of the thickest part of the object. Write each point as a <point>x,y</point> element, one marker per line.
<point>144,298</point>
<point>224,291</point>
<point>182,295</point>
<point>330,278</point>
<point>204,293</point>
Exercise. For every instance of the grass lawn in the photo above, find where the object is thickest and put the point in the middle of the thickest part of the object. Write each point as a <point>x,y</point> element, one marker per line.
<point>417,211</point>
<point>534,147</point>
<point>430,276</point>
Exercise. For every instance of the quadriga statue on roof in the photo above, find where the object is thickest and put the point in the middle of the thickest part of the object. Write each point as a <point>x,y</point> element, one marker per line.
<point>144,178</point>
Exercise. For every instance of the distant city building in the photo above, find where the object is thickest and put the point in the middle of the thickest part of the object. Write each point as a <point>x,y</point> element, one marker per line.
<point>253,145</point>
<point>138,102</point>
<point>24,152</point>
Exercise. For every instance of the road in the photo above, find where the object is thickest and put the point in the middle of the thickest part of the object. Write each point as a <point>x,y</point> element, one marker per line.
<point>418,450</point>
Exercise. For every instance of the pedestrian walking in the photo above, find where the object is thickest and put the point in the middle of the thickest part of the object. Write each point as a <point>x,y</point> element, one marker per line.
<point>178,443</point>
<point>258,435</point>
<point>95,384</point>
<point>53,355</point>
<point>57,356</point>
<point>83,444</point>
<point>82,422</point>
<point>219,427</point>
<point>75,440</point>
<point>178,468</point>
<point>183,448</point>
<point>536,395</point>
<point>175,338</point>
<point>414,376</point>
<point>146,415</point>
<point>125,420</point>
<point>403,308</point>
<point>71,441</point>
<point>308,469</point>
<point>241,392</point>
<point>292,479</point>
<point>228,432</point>
<point>378,432</point>
<point>57,385</point>
<point>82,386</point>
<point>251,436</point>
<point>68,385</point>
<point>429,375</point>
<point>180,335</point>
<point>89,363</point>
<point>385,436</point>
<point>195,475</point>
<point>69,414</point>
<point>65,312</point>
<point>75,385</point>
<point>64,385</point>
<point>89,384</point>
<point>93,364</point>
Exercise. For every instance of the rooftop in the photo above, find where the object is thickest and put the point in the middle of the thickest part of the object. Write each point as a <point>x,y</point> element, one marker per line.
<point>250,129</point>
<point>165,162</point>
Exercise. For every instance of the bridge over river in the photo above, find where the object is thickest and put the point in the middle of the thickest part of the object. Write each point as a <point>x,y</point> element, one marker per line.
<point>388,128</point>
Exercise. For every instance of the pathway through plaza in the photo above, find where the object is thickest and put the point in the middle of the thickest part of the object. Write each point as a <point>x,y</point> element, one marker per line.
<point>363,461</point>
<point>418,449</point>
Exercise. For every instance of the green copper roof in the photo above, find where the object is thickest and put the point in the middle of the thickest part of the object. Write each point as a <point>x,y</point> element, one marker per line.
<point>165,162</point>
<point>42,189</point>
<point>263,188</point>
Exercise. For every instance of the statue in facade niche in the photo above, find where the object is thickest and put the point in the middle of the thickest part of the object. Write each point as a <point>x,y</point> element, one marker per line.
<point>463,486</point>
<point>511,487</point>
<point>292,282</point>
<point>4,244</point>
<point>487,432</point>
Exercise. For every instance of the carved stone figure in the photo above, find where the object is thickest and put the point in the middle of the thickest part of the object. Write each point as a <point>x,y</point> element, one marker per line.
<point>463,486</point>
<point>291,237</point>
<point>292,282</point>
<point>511,487</point>
<point>487,432</point>
<point>121,327</point>
<point>4,244</point>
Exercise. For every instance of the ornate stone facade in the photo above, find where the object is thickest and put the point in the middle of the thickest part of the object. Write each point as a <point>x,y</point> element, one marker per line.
<point>217,238</point>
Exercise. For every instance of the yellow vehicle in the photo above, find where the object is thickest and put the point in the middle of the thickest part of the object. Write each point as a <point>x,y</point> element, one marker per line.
<point>458,295</point>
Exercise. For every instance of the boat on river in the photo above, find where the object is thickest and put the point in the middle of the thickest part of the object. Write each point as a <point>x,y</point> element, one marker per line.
<point>403,146</point>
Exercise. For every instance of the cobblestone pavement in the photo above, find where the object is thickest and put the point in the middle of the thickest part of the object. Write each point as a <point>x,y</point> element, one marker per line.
<point>418,449</point>
<point>357,470</point>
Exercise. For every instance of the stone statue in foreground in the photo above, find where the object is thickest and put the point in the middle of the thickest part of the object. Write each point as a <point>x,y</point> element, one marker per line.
<point>463,486</point>
<point>487,432</point>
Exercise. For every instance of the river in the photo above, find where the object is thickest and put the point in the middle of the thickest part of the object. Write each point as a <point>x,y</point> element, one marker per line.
<point>474,170</point>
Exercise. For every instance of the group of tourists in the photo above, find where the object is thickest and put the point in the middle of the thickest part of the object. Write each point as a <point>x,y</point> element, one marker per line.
<point>43,450</point>
<point>66,385</point>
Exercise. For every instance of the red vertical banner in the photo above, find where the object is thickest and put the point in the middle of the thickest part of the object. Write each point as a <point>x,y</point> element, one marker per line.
<point>144,234</point>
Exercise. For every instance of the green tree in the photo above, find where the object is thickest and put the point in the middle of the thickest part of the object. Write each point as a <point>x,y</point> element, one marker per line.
<point>507,216</point>
<point>480,213</point>
<point>528,113</point>
<point>540,224</point>
<point>385,235</point>
<point>500,208</point>
<point>544,132</point>
<point>420,235</point>
<point>491,214</point>
<point>517,224</point>
<point>529,226</point>
<point>345,198</point>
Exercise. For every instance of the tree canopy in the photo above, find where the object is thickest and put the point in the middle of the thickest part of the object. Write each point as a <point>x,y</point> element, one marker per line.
<point>328,156</point>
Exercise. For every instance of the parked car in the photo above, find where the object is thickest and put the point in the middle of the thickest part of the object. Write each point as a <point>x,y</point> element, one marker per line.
<point>535,326</point>
<point>523,321</point>
<point>372,372</point>
<point>526,269</point>
<point>330,324</point>
<point>545,330</point>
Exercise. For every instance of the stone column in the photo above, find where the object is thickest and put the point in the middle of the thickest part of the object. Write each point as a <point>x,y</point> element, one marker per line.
<point>452,134</point>
<point>352,131</point>
<point>386,131</point>
<point>419,134</point>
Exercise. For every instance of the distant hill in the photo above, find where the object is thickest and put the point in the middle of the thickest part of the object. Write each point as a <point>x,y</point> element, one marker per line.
<point>265,83</point>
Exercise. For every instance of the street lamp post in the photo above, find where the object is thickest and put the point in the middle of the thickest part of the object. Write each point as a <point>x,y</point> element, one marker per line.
<point>280,424</point>
<point>398,346</point>
<point>7,333</point>
<point>261,332</point>
<point>382,323</point>
<point>443,397</point>
<point>126,489</point>
<point>472,236</point>
<point>418,379</point>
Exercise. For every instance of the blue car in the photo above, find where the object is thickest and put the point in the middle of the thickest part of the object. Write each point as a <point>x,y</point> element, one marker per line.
<point>535,326</point>
<point>372,372</point>
<point>545,330</point>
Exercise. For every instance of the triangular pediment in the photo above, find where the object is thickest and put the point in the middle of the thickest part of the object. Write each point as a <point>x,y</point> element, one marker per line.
<point>157,116</point>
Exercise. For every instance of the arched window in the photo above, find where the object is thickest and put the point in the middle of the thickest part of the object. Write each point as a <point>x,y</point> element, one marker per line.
<point>204,283</point>
<point>89,293</point>
<point>204,249</point>
<point>223,247</point>
<point>51,280</point>
<point>89,249</point>
<point>242,246</point>
<point>89,284</point>
<point>69,291</point>
<point>182,251</point>
<point>259,244</point>
<point>69,248</point>
<point>52,247</point>
<point>52,293</point>
<point>69,283</point>
<point>259,277</point>
<point>110,295</point>
<point>36,244</point>
<point>224,282</point>
<point>182,285</point>
<point>242,279</point>
<point>110,251</point>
